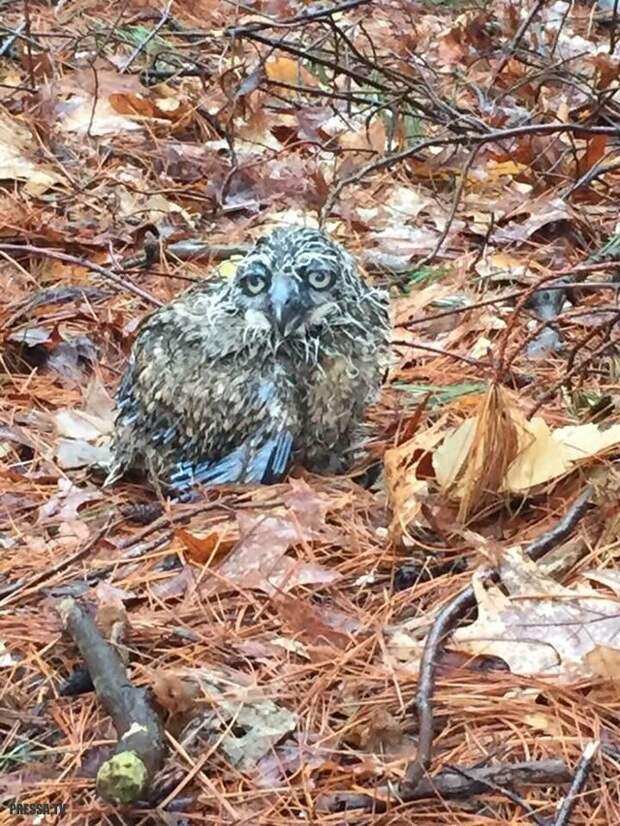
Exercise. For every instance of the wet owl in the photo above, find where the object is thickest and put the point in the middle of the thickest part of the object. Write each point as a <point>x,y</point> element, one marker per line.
<point>235,381</point>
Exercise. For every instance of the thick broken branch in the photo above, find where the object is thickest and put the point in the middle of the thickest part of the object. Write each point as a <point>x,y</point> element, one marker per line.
<point>139,754</point>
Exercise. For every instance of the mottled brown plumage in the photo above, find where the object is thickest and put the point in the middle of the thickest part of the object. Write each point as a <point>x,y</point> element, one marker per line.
<point>233,381</point>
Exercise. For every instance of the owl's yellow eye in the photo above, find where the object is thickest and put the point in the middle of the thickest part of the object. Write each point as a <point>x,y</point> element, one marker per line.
<point>320,279</point>
<point>254,284</point>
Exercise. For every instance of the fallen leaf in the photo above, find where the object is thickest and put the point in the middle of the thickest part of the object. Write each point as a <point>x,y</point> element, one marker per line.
<point>259,560</point>
<point>288,70</point>
<point>85,115</point>
<point>75,453</point>
<point>15,164</point>
<point>408,469</point>
<point>609,578</point>
<point>309,624</point>
<point>299,752</point>
<point>111,612</point>
<point>64,505</point>
<point>605,662</point>
<point>175,695</point>
<point>384,735</point>
<point>207,548</point>
<point>527,627</point>
<point>540,454</point>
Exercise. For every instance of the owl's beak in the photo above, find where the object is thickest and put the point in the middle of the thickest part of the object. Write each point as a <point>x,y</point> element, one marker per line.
<point>285,304</point>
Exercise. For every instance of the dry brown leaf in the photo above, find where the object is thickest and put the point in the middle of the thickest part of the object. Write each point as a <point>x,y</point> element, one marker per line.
<point>407,471</point>
<point>83,115</point>
<point>527,627</point>
<point>16,144</point>
<point>605,662</point>
<point>532,455</point>
<point>384,735</point>
<point>208,548</point>
<point>173,694</point>
<point>111,611</point>
<point>309,624</point>
<point>259,560</point>
<point>371,139</point>
<point>288,70</point>
<point>544,722</point>
<point>474,459</point>
<point>64,505</point>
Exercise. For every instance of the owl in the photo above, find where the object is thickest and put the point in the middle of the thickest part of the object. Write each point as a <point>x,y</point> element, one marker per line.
<point>235,381</point>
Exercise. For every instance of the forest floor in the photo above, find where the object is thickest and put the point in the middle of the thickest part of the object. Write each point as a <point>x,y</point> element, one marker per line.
<point>468,154</point>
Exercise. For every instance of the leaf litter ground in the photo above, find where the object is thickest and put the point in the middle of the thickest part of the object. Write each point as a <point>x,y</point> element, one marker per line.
<point>468,156</point>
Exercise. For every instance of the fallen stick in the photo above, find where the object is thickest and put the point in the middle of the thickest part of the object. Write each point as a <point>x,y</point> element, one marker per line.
<point>139,753</point>
<point>446,620</point>
<point>582,771</point>
<point>456,783</point>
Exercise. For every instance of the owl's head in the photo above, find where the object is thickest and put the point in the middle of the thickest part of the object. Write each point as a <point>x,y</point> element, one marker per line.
<point>295,280</point>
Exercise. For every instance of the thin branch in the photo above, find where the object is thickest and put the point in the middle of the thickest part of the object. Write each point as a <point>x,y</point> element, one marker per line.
<point>83,262</point>
<point>463,140</point>
<point>504,790</point>
<point>446,620</point>
<point>455,783</point>
<point>582,771</point>
<point>310,15</point>
<point>144,43</point>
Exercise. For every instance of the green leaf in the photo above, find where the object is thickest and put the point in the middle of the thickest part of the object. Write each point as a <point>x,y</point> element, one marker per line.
<point>443,394</point>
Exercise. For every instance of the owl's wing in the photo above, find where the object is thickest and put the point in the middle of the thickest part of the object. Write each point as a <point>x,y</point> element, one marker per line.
<point>265,464</point>
<point>200,403</point>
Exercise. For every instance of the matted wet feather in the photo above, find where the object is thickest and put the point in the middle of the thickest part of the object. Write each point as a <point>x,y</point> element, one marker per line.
<point>234,381</point>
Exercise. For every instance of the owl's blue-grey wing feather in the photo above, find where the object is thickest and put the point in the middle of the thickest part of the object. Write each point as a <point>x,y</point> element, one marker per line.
<point>248,464</point>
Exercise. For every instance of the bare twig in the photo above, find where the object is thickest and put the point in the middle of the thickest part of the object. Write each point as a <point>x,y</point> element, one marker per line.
<point>144,43</point>
<point>462,140</point>
<point>83,262</point>
<point>493,785</point>
<point>29,44</point>
<point>15,590</point>
<point>125,777</point>
<point>582,771</point>
<point>576,368</point>
<point>309,15</point>
<point>456,783</point>
<point>445,621</point>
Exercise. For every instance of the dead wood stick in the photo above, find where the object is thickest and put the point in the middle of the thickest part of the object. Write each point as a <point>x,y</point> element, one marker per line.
<point>139,754</point>
<point>506,792</point>
<point>445,621</point>
<point>458,783</point>
<point>581,775</point>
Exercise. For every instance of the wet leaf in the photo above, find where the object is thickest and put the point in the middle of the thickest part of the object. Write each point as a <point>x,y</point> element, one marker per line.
<point>527,627</point>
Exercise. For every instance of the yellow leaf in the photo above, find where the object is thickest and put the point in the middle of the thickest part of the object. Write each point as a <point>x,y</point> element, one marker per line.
<point>372,139</point>
<point>542,722</point>
<point>605,662</point>
<point>496,170</point>
<point>228,268</point>
<point>287,70</point>
<point>585,440</point>
<point>540,458</point>
<point>449,458</point>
